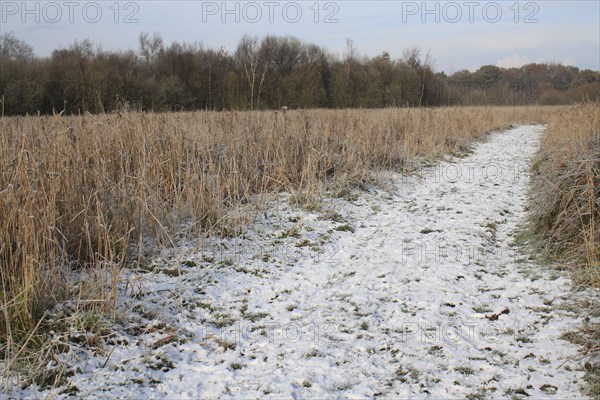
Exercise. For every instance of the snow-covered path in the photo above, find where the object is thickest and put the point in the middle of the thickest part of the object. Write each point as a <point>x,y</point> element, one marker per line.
<point>414,291</point>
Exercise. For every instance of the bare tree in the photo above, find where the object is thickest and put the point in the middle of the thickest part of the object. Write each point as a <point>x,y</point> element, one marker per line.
<point>350,56</point>
<point>412,57</point>
<point>286,54</point>
<point>14,48</point>
<point>254,60</point>
<point>150,48</point>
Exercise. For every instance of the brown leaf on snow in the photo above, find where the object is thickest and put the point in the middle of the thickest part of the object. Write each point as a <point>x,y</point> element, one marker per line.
<point>494,317</point>
<point>163,341</point>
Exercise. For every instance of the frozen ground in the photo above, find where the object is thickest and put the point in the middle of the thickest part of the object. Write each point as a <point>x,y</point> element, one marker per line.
<point>412,290</point>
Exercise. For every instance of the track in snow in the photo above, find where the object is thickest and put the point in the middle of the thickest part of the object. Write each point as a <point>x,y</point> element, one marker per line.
<point>428,297</point>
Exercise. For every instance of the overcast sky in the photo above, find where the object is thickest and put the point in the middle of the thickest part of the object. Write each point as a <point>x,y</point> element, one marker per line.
<point>459,35</point>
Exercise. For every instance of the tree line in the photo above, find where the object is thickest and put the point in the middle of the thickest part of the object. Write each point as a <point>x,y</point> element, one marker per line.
<point>265,73</point>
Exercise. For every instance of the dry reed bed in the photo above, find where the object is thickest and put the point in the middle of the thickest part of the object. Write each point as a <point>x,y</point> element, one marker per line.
<point>566,189</point>
<point>566,213</point>
<point>81,191</point>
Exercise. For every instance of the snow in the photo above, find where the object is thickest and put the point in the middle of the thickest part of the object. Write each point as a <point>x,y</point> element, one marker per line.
<point>415,288</point>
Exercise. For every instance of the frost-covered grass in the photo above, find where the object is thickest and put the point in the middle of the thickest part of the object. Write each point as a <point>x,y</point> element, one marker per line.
<point>427,295</point>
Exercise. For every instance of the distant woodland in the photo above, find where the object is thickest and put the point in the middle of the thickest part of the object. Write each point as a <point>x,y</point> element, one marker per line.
<point>262,73</point>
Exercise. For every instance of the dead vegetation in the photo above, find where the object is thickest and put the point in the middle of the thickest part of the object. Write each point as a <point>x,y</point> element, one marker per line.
<point>565,211</point>
<point>566,189</point>
<point>79,195</point>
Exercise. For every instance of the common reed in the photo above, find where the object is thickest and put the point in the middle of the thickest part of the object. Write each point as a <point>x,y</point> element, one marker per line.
<point>565,214</point>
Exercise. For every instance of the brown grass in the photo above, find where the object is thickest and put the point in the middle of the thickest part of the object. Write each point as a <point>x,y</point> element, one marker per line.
<point>566,212</point>
<point>566,189</point>
<point>78,193</point>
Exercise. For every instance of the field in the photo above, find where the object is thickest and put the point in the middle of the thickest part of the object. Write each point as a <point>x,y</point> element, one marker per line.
<point>84,200</point>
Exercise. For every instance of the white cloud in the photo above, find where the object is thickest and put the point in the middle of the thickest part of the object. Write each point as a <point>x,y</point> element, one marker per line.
<point>515,61</point>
